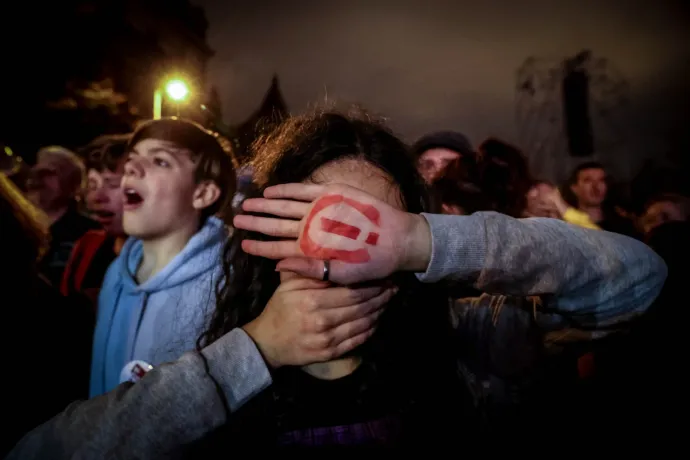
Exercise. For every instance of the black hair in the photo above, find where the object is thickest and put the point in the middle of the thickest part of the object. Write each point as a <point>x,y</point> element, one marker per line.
<point>504,176</point>
<point>575,175</point>
<point>106,153</point>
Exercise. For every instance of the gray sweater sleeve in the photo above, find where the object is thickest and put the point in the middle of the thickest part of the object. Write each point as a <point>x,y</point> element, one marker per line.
<point>595,277</point>
<point>174,405</point>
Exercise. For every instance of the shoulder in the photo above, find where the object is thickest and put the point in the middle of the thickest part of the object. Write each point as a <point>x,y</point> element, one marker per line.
<point>90,240</point>
<point>112,274</point>
<point>95,234</point>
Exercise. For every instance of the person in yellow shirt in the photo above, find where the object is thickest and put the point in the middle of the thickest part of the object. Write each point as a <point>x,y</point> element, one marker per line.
<point>545,200</point>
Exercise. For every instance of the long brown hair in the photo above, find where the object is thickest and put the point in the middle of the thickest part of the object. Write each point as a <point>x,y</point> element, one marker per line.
<point>25,228</point>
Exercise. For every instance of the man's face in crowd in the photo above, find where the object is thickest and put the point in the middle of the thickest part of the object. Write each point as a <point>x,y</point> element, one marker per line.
<point>590,188</point>
<point>104,198</point>
<point>49,186</point>
<point>433,163</point>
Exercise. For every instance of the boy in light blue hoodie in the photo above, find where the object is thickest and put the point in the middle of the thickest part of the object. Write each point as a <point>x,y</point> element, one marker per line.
<point>160,291</point>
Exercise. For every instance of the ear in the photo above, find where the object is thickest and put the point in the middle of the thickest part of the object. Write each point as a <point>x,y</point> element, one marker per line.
<point>205,195</point>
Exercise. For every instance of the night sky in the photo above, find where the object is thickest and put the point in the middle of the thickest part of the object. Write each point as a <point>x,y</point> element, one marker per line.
<point>438,64</point>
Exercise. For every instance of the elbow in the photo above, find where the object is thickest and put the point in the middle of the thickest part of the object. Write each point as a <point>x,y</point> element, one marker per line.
<point>655,273</point>
<point>659,274</point>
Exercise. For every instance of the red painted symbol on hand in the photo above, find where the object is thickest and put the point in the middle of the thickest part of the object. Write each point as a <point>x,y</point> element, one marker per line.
<point>350,249</point>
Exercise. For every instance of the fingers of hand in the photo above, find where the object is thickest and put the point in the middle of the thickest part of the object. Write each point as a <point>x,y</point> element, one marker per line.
<point>283,228</point>
<point>303,192</point>
<point>310,268</point>
<point>343,315</point>
<point>341,272</point>
<point>350,344</point>
<point>282,208</point>
<point>301,284</point>
<point>331,327</point>
<point>338,297</point>
<point>330,344</point>
<point>272,249</point>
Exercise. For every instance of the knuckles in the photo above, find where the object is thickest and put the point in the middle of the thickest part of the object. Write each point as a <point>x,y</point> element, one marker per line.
<point>320,323</point>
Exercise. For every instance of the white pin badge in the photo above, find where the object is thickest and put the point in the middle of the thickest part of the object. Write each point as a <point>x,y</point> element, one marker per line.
<point>134,371</point>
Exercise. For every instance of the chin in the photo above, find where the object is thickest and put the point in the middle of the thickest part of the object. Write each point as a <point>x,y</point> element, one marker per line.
<point>137,231</point>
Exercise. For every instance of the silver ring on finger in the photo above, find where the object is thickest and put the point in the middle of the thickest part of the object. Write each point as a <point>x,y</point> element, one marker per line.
<point>326,270</point>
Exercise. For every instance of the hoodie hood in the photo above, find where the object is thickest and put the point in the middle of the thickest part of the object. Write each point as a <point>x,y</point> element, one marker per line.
<point>202,253</point>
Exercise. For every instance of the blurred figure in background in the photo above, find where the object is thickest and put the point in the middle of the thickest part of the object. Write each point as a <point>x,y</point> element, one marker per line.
<point>54,186</point>
<point>668,207</point>
<point>48,369</point>
<point>544,200</point>
<point>439,152</point>
<point>93,253</point>
<point>538,203</point>
<point>589,185</point>
<point>504,177</point>
<point>456,197</point>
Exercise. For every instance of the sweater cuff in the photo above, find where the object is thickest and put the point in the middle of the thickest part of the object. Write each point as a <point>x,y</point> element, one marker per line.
<point>236,364</point>
<point>458,246</point>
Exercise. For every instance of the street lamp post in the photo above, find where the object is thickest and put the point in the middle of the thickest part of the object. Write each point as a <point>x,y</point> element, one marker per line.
<point>157,104</point>
<point>176,89</point>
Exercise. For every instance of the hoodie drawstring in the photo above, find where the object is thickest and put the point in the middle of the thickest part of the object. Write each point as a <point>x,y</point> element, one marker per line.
<point>110,330</point>
<point>144,303</point>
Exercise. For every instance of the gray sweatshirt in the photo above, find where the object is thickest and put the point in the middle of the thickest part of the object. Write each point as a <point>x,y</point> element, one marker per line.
<point>595,278</point>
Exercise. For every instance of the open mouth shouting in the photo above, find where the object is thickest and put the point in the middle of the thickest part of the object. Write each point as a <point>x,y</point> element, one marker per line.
<point>133,199</point>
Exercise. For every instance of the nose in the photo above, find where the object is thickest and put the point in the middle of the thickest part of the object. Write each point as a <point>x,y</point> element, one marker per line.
<point>99,196</point>
<point>134,168</point>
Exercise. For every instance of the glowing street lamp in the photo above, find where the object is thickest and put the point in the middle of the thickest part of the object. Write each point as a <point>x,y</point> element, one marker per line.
<point>177,90</point>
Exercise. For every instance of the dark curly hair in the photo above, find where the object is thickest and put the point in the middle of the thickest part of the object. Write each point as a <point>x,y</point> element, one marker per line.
<point>409,350</point>
<point>292,153</point>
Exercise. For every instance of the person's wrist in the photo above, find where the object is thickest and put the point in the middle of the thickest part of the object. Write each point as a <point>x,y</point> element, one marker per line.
<point>253,330</point>
<point>417,245</point>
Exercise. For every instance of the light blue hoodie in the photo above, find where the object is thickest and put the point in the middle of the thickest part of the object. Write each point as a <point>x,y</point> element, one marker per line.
<point>160,319</point>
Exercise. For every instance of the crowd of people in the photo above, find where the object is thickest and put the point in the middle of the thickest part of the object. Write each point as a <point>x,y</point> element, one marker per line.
<point>341,288</point>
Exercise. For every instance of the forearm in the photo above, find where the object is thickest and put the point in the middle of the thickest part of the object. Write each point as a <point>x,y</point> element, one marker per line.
<point>173,406</point>
<point>600,276</point>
